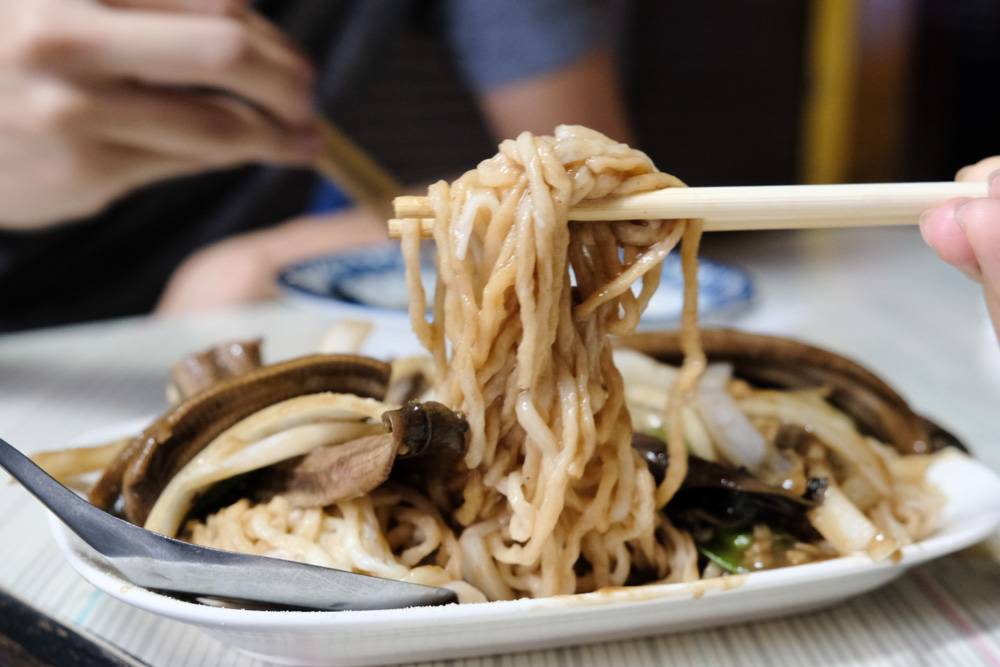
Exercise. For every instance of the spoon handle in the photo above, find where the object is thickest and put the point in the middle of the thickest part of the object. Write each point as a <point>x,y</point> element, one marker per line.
<point>87,521</point>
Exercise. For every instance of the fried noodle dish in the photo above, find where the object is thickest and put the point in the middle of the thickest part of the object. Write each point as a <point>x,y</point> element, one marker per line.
<point>540,448</point>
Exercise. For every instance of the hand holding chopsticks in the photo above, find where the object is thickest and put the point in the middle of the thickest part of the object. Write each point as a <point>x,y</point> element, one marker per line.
<point>356,172</point>
<point>753,207</point>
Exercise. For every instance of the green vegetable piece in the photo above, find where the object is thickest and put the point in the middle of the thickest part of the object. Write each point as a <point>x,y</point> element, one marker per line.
<point>726,549</point>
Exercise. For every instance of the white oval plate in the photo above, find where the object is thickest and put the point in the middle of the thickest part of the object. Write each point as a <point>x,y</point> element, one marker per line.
<point>972,513</point>
<point>373,279</point>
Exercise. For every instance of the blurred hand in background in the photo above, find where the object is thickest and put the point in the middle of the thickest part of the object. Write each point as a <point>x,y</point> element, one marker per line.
<point>97,99</point>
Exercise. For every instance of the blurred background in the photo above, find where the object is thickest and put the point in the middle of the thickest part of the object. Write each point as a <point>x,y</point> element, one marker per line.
<point>744,92</point>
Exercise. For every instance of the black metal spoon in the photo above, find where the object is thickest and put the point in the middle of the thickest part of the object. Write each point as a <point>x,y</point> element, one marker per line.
<point>153,561</point>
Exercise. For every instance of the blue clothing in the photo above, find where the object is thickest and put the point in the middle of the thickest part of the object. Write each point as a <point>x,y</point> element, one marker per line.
<point>328,198</point>
<point>499,42</point>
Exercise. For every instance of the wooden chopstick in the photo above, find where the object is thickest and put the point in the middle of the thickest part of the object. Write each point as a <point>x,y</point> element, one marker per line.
<point>356,172</point>
<point>753,207</point>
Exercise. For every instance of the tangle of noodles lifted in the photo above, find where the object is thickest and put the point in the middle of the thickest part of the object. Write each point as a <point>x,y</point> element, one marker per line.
<point>543,459</point>
<point>554,498</point>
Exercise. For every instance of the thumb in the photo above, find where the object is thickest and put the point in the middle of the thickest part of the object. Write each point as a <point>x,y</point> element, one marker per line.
<point>980,220</point>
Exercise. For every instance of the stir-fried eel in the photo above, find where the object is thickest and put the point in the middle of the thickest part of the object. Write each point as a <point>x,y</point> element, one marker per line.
<point>200,370</point>
<point>133,482</point>
<point>421,437</point>
<point>768,361</point>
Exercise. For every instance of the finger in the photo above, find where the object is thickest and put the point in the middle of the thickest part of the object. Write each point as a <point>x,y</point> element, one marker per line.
<point>277,47</point>
<point>125,168</point>
<point>979,171</point>
<point>217,7</point>
<point>245,58</point>
<point>994,184</point>
<point>980,220</point>
<point>207,129</point>
<point>942,232</point>
<point>271,32</point>
<point>85,180</point>
<point>992,297</point>
<point>232,55</point>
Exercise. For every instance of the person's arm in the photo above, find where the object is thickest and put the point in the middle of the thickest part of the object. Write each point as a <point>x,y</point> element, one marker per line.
<point>244,268</point>
<point>966,233</point>
<point>585,92</point>
<point>97,99</point>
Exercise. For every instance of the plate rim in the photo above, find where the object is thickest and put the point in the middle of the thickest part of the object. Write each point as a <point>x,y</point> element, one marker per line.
<point>968,531</point>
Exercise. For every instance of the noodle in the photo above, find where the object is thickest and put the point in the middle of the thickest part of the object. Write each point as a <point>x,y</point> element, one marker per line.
<point>353,535</point>
<point>691,369</point>
<point>552,476</point>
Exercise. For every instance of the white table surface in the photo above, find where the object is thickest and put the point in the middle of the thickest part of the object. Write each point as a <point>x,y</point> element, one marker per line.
<point>878,296</point>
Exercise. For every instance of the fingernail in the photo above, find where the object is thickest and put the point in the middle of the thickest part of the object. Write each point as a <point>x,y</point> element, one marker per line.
<point>960,204</point>
<point>923,226</point>
<point>972,273</point>
<point>993,183</point>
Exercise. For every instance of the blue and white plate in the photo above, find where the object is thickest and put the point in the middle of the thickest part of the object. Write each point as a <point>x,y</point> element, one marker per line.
<point>372,282</point>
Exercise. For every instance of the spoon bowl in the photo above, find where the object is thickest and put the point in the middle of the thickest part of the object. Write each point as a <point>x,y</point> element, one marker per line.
<point>160,563</point>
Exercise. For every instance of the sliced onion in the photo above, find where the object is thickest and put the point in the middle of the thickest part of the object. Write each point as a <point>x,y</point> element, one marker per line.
<point>833,428</point>
<point>736,438</point>
<point>647,388</point>
<point>276,433</point>
<point>65,464</point>
<point>699,442</point>
<point>645,376</point>
<point>842,524</point>
<point>345,337</point>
